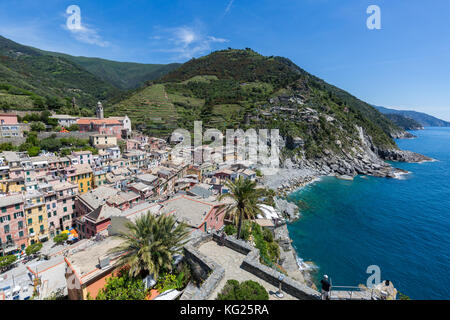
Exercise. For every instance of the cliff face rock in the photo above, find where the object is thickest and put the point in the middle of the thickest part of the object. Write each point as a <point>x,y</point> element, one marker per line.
<point>364,158</point>
<point>403,156</point>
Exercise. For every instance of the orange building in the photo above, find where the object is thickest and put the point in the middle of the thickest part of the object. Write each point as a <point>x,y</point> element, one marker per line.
<point>88,269</point>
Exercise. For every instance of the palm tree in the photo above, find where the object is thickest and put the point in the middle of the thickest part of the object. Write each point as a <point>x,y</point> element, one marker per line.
<point>150,244</point>
<point>246,201</point>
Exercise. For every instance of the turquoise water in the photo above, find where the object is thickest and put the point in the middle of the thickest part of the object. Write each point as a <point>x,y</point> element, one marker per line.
<point>403,226</point>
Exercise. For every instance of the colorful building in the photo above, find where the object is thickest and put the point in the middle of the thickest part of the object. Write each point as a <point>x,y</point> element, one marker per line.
<point>82,175</point>
<point>36,216</point>
<point>13,230</point>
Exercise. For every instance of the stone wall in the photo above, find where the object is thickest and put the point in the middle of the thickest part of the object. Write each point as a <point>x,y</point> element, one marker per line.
<point>210,272</point>
<point>16,141</point>
<point>73,134</point>
<point>214,273</point>
<point>251,264</point>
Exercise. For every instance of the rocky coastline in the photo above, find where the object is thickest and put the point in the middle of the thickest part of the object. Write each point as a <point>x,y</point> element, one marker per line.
<point>298,172</point>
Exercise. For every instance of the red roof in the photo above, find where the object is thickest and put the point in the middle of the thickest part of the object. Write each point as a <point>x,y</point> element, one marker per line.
<point>98,121</point>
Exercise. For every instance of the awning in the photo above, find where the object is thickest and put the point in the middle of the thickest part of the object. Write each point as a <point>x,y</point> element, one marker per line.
<point>43,237</point>
<point>10,249</point>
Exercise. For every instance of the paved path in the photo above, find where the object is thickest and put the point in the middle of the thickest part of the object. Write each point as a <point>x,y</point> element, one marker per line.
<point>231,261</point>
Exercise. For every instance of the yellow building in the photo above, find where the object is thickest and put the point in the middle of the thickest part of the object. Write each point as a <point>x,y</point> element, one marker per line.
<point>101,140</point>
<point>81,175</point>
<point>36,217</point>
<point>11,180</point>
<point>99,178</point>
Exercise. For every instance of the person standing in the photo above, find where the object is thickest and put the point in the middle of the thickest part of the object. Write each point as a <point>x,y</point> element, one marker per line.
<point>325,288</point>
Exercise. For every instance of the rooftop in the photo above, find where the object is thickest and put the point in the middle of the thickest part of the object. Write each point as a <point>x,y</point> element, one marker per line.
<point>188,209</point>
<point>98,196</point>
<point>10,200</point>
<point>147,177</point>
<point>85,262</point>
<point>101,213</point>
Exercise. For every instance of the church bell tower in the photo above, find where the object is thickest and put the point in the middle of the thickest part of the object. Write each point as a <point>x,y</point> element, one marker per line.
<point>99,110</point>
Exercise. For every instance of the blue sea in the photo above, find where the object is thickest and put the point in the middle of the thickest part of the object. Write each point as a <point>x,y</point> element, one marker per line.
<point>401,225</point>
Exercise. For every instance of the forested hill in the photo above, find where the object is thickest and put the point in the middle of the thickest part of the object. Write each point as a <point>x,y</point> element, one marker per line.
<point>404,122</point>
<point>123,75</point>
<point>30,79</point>
<point>424,119</point>
<point>33,79</point>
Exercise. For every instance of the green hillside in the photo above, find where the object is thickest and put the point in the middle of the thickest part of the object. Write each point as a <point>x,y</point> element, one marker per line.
<point>404,122</point>
<point>29,78</point>
<point>123,75</point>
<point>241,88</point>
<point>33,79</point>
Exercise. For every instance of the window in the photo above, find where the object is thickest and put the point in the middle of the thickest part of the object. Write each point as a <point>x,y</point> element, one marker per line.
<point>49,214</point>
<point>40,219</point>
<point>30,221</point>
<point>21,234</point>
<point>64,201</point>
<point>41,227</point>
<point>65,209</point>
<point>20,225</point>
<point>17,206</point>
<point>7,228</point>
<point>4,209</point>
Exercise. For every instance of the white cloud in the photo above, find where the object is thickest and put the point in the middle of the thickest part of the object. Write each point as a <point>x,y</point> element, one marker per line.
<point>82,32</point>
<point>87,35</point>
<point>228,8</point>
<point>185,41</point>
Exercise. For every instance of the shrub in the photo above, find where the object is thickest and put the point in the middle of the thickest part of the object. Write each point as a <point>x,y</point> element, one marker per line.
<point>33,248</point>
<point>247,290</point>
<point>60,238</point>
<point>245,231</point>
<point>123,287</point>
<point>6,261</point>
<point>267,235</point>
<point>230,229</point>
<point>273,250</point>
<point>269,250</point>
<point>170,281</point>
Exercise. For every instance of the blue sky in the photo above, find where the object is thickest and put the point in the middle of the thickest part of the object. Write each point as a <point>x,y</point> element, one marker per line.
<point>404,65</point>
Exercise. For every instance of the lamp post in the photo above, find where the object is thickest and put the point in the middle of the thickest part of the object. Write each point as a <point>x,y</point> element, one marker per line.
<point>279,294</point>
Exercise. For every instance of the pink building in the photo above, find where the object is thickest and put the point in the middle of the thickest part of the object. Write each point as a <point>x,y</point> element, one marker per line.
<point>97,221</point>
<point>62,207</point>
<point>124,200</point>
<point>7,118</point>
<point>106,126</point>
<point>13,231</point>
<point>133,144</point>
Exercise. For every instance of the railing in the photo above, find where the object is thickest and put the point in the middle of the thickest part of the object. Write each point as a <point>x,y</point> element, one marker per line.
<point>350,290</point>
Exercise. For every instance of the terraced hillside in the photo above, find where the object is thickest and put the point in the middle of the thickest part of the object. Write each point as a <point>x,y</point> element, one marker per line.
<point>243,89</point>
<point>150,106</point>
